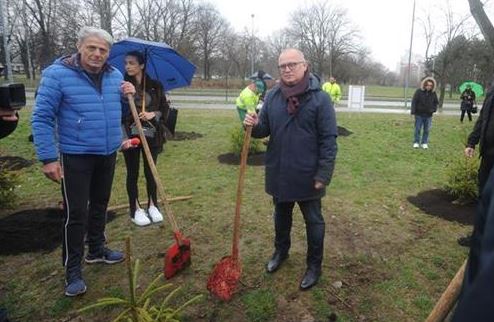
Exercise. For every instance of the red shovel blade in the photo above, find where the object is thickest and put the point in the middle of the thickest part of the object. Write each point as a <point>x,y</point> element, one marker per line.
<point>223,280</point>
<point>177,257</point>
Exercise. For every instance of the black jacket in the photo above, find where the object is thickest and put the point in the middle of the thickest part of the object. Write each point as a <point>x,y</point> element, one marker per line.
<point>302,147</point>
<point>483,131</point>
<point>156,103</point>
<point>424,102</point>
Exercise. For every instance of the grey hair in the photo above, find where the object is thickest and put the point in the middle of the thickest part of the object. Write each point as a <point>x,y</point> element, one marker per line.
<point>86,32</point>
<point>298,51</point>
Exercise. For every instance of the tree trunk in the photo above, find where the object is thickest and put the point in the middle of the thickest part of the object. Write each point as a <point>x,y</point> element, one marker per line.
<point>485,25</point>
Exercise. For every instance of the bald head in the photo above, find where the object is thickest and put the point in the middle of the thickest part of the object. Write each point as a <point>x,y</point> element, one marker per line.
<point>292,66</point>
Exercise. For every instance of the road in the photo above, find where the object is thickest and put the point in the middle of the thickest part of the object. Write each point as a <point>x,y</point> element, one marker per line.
<point>221,103</point>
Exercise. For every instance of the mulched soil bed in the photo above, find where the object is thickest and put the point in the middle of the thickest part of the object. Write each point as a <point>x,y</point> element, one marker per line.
<point>34,230</point>
<point>439,203</point>
<point>233,159</point>
<point>182,136</point>
<point>343,131</point>
<point>14,163</point>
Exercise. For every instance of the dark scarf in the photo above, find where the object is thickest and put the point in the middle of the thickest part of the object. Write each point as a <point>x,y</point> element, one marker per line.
<point>293,93</point>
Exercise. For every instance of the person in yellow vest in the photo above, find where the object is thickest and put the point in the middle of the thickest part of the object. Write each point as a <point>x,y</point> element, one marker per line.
<point>249,98</point>
<point>333,90</point>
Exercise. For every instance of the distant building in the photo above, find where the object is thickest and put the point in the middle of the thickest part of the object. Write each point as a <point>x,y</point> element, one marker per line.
<point>416,69</point>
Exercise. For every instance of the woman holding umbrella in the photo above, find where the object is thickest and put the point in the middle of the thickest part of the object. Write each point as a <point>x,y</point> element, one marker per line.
<point>467,101</point>
<point>153,110</point>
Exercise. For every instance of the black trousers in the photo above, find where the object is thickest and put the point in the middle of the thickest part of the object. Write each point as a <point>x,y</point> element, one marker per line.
<point>132,160</point>
<point>314,225</point>
<point>86,188</point>
<point>463,115</point>
<point>486,164</point>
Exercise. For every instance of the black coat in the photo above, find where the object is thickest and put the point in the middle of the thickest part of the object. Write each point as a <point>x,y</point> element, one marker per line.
<point>484,127</point>
<point>157,103</point>
<point>477,295</point>
<point>302,147</point>
<point>467,99</point>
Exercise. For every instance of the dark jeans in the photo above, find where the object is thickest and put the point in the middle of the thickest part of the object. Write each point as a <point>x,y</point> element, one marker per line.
<point>132,160</point>
<point>425,123</point>
<point>86,189</point>
<point>314,225</point>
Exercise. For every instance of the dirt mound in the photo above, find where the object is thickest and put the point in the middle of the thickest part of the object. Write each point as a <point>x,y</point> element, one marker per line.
<point>182,136</point>
<point>14,163</point>
<point>233,159</point>
<point>33,231</point>
<point>439,203</point>
<point>343,131</point>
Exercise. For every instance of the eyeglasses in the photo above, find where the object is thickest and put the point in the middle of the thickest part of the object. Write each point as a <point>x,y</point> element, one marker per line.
<point>290,66</point>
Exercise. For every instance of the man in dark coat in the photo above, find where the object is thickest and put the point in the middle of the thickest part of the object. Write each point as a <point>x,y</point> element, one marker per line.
<point>477,295</point>
<point>424,104</point>
<point>300,120</point>
<point>482,134</point>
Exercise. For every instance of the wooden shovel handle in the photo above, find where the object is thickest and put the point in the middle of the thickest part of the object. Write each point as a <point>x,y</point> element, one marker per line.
<point>240,187</point>
<point>448,298</point>
<point>152,165</point>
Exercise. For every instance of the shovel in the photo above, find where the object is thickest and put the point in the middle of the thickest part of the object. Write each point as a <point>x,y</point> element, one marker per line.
<point>178,255</point>
<point>223,280</point>
<point>448,298</point>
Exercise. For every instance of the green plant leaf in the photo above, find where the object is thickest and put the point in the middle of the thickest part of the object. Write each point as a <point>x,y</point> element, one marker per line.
<point>122,315</point>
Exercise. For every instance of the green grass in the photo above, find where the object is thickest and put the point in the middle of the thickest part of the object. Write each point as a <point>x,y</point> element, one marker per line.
<point>393,259</point>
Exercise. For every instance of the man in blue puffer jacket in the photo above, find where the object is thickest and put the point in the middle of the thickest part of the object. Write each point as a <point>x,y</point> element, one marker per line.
<point>76,129</point>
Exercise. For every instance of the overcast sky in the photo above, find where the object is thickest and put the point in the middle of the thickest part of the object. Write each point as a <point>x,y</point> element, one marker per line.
<point>385,25</point>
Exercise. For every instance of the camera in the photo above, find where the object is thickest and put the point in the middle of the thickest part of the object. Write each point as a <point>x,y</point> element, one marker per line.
<point>12,96</point>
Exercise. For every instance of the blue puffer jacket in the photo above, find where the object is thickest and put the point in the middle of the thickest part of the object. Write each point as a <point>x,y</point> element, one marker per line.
<point>71,111</point>
<point>302,147</point>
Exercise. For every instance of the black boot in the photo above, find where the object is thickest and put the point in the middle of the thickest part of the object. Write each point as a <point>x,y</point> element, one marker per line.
<point>276,261</point>
<point>311,277</point>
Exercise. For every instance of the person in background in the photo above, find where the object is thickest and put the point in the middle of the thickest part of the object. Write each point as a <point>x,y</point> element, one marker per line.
<point>153,117</point>
<point>424,104</point>
<point>333,90</point>
<point>300,120</point>
<point>250,96</point>
<point>467,102</point>
<point>76,125</point>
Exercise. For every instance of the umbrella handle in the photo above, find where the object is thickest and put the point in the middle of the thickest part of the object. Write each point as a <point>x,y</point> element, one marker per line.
<point>152,165</point>
<point>240,186</point>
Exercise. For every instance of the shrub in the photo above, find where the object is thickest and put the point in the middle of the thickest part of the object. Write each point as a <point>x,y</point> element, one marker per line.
<point>237,141</point>
<point>462,178</point>
<point>8,181</point>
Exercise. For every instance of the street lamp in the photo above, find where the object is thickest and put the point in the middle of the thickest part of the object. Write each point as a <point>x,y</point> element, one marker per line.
<point>252,46</point>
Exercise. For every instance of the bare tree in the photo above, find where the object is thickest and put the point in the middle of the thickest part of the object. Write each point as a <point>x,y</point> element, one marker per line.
<point>485,25</point>
<point>324,33</point>
<point>210,29</point>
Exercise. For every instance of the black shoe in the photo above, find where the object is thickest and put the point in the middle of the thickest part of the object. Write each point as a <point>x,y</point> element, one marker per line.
<point>465,241</point>
<point>310,278</point>
<point>275,262</point>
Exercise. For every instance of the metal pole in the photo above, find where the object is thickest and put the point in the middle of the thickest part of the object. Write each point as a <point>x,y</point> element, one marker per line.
<point>252,44</point>
<point>129,18</point>
<point>5,34</point>
<point>28,38</point>
<point>407,78</point>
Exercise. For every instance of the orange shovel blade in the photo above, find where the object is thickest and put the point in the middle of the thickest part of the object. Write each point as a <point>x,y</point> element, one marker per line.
<point>177,258</point>
<point>223,280</point>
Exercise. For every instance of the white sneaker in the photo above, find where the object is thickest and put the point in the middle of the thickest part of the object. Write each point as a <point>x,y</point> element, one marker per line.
<point>416,145</point>
<point>425,146</point>
<point>140,218</point>
<point>155,214</point>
